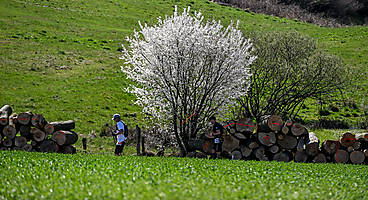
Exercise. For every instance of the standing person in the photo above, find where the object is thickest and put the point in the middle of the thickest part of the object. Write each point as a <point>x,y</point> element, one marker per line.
<point>217,132</point>
<point>120,135</point>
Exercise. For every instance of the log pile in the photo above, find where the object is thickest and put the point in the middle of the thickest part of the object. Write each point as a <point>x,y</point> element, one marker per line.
<point>31,132</point>
<point>274,139</point>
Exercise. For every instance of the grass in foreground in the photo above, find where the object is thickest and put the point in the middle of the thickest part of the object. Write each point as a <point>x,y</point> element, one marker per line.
<point>56,176</point>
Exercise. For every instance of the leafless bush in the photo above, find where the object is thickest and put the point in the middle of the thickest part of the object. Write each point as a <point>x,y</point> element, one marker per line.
<point>328,13</point>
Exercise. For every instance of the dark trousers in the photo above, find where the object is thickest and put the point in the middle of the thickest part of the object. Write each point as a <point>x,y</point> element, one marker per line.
<point>119,148</point>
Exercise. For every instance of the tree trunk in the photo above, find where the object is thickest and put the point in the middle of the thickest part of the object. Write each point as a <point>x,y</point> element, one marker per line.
<point>312,144</point>
<point>330,146</point>
<point>341,156</point>
<point>245,126</point>
<point>69,149</point>
<point>267,139</point>
<point>49,129</point>
<point>64,137</point>
<point>274,149</point>
<point>5,112</point>
<point>236,155</point>
<point>49,146</point>
<point>260,153</point>
<point>27,147</point>
<point>38,135</point>
<point>38,121</point>
<point>245,151</point>
<point>9,132</point>
<point>320,158</point>
<point>357,157</point>
<point>239,136</point>
<point>8,142</point>
<point>208,146</point>
<point>24,118</point>
<point>270,123</point>
<point>283,156</point>
<point>230,143</point>
<point>25,131</point>
<point>63,125</point>
<point>347,139</point>
<point>138,132</point>
<point>298,130</point>
<point>287,142</point>
<point>20,141</point>
<point>300,156</point>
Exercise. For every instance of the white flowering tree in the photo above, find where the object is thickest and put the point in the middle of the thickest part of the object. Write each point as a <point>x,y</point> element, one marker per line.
<point>183,66</point>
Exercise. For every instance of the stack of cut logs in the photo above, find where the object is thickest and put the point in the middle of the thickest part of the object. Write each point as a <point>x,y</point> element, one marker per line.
<point>272,139</point>
<point>31,132</point>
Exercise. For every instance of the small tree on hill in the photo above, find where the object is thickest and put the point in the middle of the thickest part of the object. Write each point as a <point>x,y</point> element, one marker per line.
<point>183,66</point>
<point>290,69</point>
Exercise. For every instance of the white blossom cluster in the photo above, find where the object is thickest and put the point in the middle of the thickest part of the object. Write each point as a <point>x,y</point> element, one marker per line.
<point>183,64</point>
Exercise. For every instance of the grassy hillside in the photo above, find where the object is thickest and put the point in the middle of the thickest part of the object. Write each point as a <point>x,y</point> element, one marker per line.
<point>54,176</point>
<point>60,57</point>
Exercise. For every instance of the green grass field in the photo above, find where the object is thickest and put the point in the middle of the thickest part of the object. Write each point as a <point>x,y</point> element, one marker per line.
<point>60,58</point>
<point>56,176</point>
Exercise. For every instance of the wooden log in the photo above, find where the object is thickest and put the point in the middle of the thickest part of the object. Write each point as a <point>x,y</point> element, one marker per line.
<point>5,113</point>
<point>69,149</point>
<point>193,145</point>
<point>357,157</point>
<point>298,129</point>
<point>347,139</point>
<point>4,148</point>
<point>49,129</point>
<point>8,142</point>
<point>65,137</point>
<point>260,153</point>
<point>25,131</point>
<point>288,123</point>
<point>17,148</point>
<point>239,136</point>
<point>365,151</point>
<point>319,158</point>
<point>312,144</point>
<point>27,147</point>
<point>138,134</point>
<point>341,156</point>
<point>330,146</point>
<point>245,125</point>
<point>49,146</point>
<point>208,146</point>
<point>267,139</point>
<point>285,130</point>
<point>236,155</point>
<point>38,121</point>
<point>63,125</point>
<point>9,132</point>
<point>245,151</point>
<point>270,123</point>
<point>283,156</point>
<point>301,143</point>
<point>350,149</point>
<point>301,156</point>
<point>357,145</point>
<point>230,143</point>
<point>20,141</point>
<point>34,143</point>
<point>274,149</point>
<point>38,135</point>
<point>24,118</point>
<point>288,142</point>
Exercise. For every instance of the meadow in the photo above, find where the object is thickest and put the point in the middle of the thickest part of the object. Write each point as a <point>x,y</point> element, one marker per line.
<point>61,58</point>
<point>56,176</point>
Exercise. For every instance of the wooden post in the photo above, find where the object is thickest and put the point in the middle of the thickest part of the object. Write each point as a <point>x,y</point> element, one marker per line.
<point>84,141</point>
<point>138,132</point>
<point>143,148</point>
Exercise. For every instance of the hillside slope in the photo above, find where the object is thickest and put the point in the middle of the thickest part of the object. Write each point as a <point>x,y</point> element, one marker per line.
<point>60,57</point>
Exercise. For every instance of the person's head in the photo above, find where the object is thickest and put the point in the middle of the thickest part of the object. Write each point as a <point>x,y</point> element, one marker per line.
<point>212,119</point>
<point>116,117</point>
